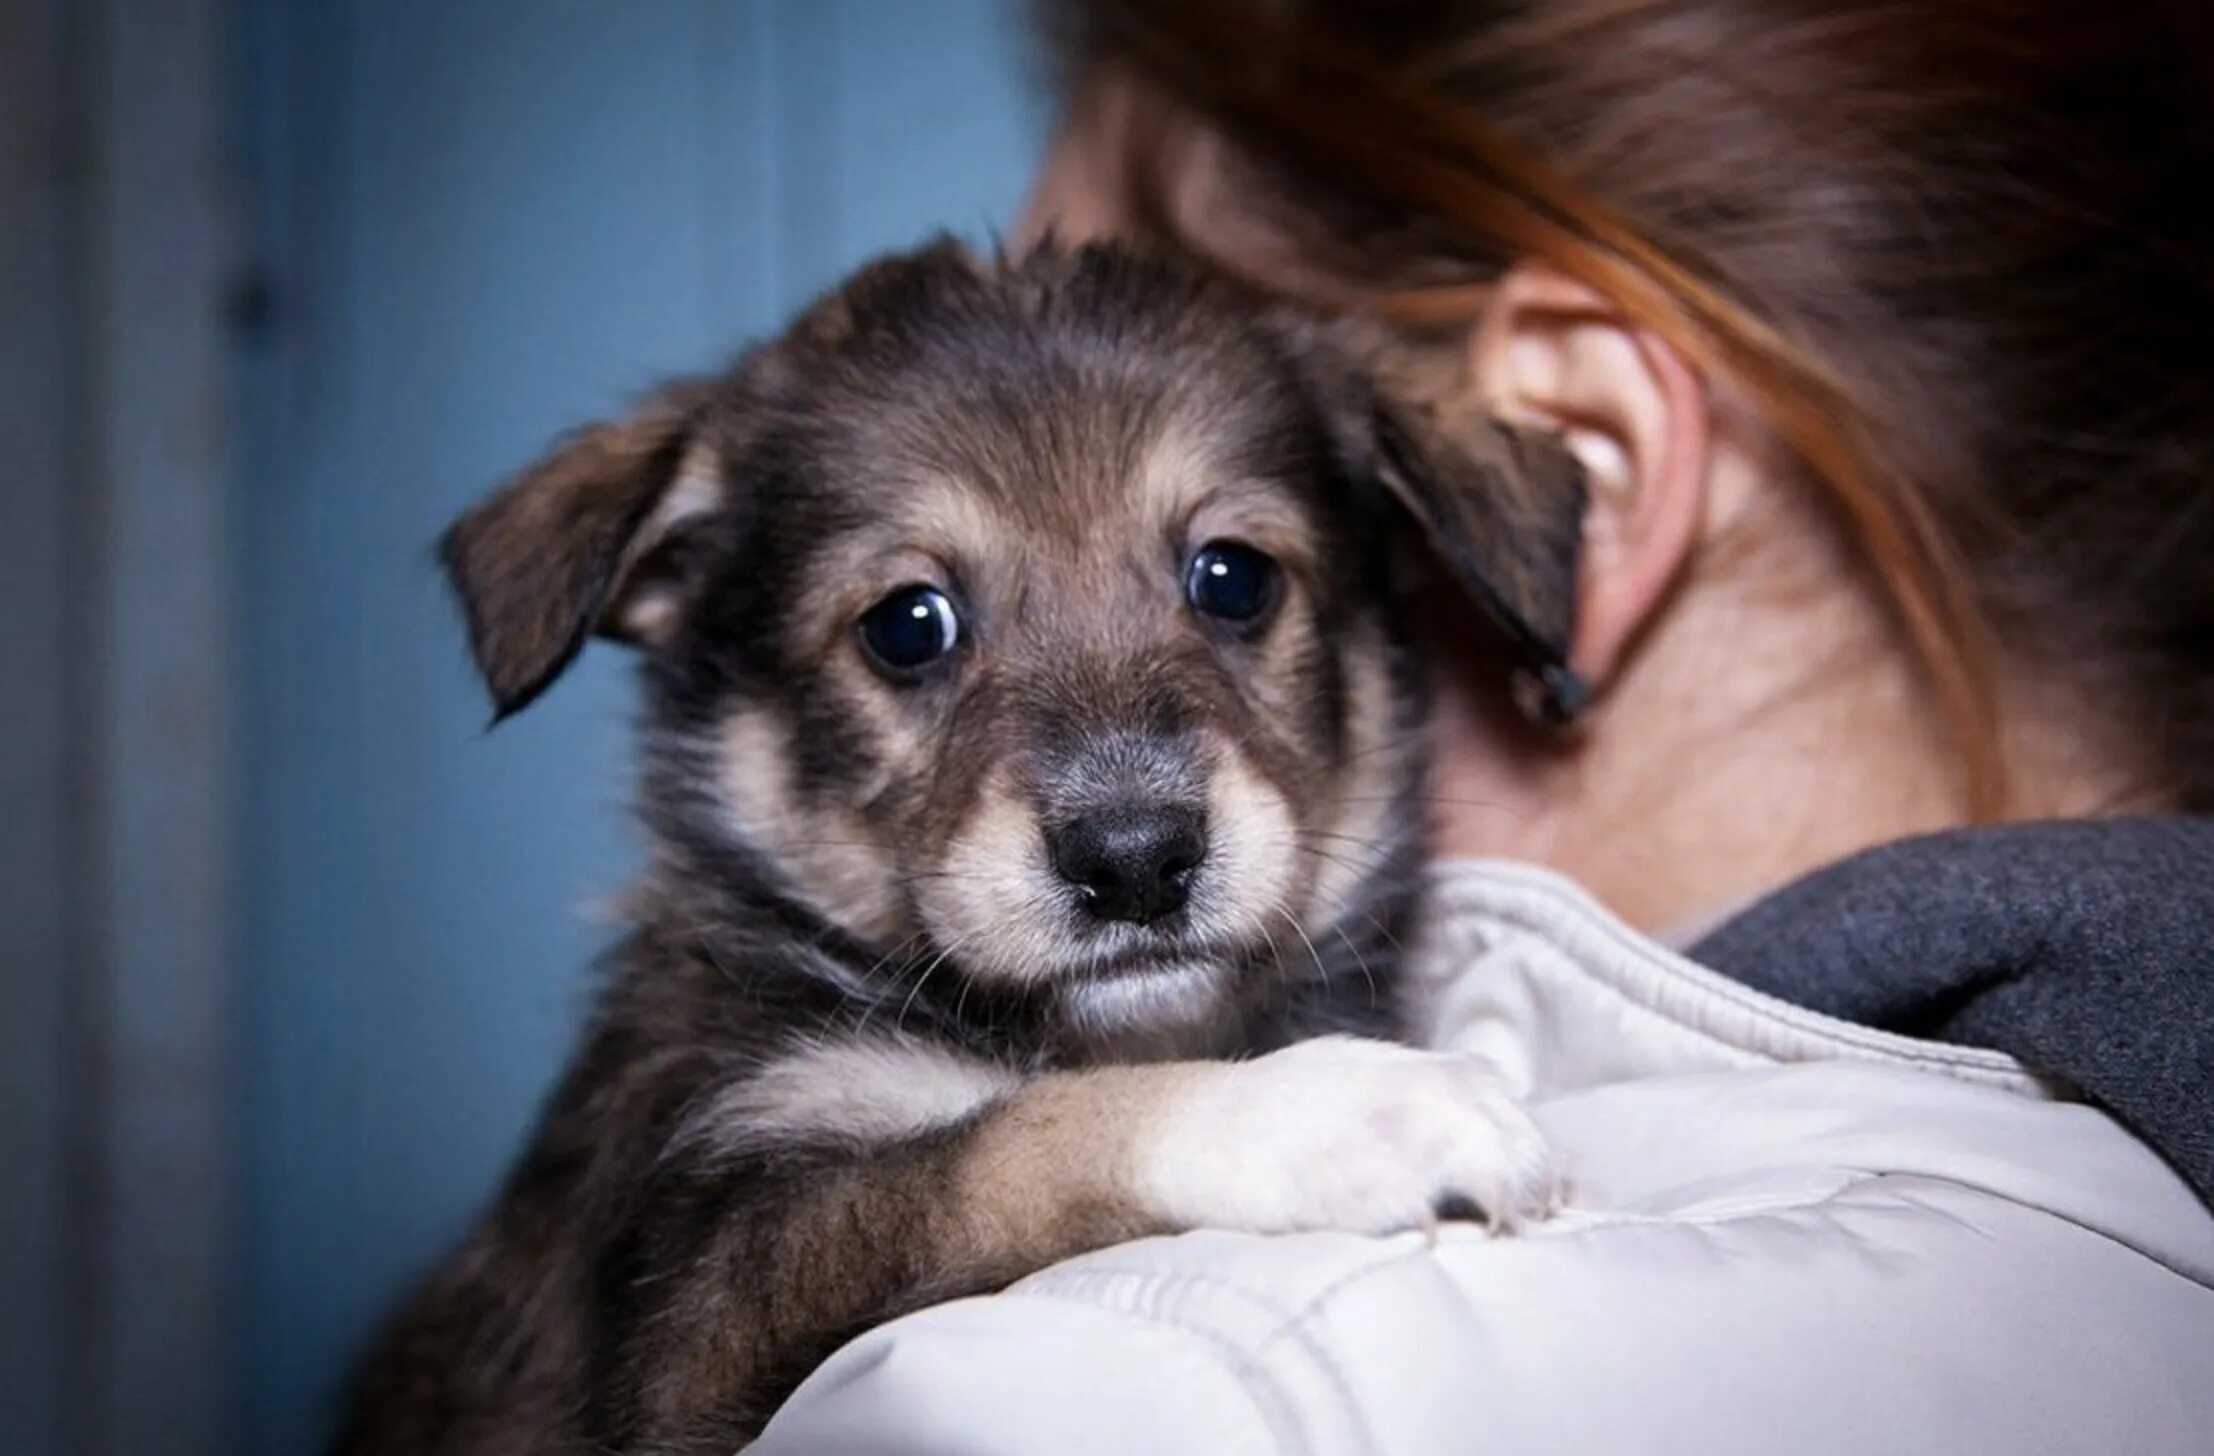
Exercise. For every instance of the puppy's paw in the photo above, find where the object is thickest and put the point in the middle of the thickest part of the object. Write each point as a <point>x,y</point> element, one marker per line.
<point>1341,1133</point>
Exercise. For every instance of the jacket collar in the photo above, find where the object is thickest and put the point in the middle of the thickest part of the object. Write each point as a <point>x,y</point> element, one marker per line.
<point>2085,949</point>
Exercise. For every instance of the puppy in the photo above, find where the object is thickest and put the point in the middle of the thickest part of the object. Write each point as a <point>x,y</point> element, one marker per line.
<point>1032,767</point>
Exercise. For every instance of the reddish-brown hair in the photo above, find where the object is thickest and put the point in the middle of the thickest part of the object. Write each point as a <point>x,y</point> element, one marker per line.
<point>1954,251</point>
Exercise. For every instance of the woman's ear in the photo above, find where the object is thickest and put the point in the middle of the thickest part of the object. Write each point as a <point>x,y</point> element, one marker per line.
<point>1555,355</point>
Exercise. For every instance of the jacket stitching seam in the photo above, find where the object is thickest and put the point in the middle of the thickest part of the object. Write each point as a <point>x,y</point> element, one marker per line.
<point>1245,1372</point>
<point>1284,1321</point>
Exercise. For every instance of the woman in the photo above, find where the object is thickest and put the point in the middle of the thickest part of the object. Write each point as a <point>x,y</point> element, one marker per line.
<point>1882,329</point>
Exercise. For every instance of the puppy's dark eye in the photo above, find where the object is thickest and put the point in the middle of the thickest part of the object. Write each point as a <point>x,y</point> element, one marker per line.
<point>1231,582</point>
<point>910,629</point>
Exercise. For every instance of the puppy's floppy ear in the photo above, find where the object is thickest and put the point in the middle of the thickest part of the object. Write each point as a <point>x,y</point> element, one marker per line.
<point>591,538</point>
<point>1502,509</point>
<point>1499,508</point>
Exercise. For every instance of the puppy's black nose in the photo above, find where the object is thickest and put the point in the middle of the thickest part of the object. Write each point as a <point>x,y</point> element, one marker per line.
<point>1129,863</point>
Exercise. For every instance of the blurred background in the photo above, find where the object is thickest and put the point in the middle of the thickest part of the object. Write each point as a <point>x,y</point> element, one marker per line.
<point>292,945</point>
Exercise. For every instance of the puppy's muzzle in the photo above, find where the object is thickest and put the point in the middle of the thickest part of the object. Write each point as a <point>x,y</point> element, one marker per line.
<point>1131,863</point>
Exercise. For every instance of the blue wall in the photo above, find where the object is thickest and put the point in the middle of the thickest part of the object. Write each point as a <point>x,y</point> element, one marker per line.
<point>484,222</point>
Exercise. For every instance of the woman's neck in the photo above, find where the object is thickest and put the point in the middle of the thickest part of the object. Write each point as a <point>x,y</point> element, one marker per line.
<point>1745,746</point>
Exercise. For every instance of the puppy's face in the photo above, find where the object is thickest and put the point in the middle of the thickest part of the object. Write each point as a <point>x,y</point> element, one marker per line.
<point>1064,662</point>
<point>1033,625</point>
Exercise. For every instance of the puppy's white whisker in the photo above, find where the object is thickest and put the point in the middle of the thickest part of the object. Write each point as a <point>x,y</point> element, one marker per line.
<point>1367,974</point>
<point>945,954</point>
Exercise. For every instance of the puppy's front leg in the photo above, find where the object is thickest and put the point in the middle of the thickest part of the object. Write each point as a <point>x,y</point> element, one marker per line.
<point>735,1289</point>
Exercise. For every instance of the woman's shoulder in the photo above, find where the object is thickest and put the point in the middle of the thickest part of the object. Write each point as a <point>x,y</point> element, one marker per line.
<point>1769,1205</point>
<point>1748,1253</point>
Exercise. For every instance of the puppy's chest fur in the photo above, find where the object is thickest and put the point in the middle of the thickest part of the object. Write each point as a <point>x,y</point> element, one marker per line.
<point>810,1042</point>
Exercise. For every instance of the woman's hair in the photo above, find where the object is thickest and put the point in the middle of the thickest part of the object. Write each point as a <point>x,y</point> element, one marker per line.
<point>1955,252</point>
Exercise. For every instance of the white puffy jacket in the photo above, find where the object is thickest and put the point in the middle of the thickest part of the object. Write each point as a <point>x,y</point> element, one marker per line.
<point>1788,1233</point>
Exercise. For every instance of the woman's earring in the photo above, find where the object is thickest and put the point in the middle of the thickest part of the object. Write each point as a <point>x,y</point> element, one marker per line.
<point>1551,697</point>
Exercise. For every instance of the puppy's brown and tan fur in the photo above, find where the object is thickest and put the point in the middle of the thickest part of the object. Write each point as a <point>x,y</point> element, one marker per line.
<point>897,1020</point>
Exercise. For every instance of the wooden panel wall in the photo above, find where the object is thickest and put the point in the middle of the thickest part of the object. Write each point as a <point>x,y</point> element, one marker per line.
<point>117,975</point>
